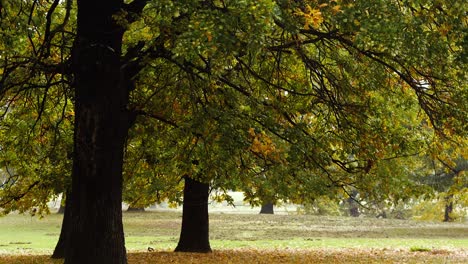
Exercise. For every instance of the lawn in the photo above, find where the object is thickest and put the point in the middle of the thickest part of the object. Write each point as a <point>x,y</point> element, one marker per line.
<point>254,238</point>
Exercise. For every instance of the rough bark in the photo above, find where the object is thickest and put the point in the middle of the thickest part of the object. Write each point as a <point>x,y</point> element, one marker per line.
<point>267,208</point>
<point>194,235</point>
<point>100,128</point>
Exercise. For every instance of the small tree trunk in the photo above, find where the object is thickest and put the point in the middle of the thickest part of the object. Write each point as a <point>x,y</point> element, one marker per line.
<point>267,208</point>
<point>60,248</point>
<point>194,235</point>
<point>135,209</point>
<point>353,205</point>
<point>354,210</point>
<point>448,209</point>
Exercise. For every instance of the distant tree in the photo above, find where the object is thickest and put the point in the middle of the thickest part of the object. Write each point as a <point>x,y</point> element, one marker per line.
<point>353,206</point>
<point>448,180</point>
<point>267,208</point>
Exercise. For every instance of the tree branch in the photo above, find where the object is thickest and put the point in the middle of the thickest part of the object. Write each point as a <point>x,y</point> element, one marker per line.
<point>134,9</point>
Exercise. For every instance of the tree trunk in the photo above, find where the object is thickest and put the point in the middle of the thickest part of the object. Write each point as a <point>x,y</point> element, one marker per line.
<point>353,205</point>
<point>267,208</point>
<point>60,248</point>
<point>448,209</point>
<point>100,128</point>
<point>194,235</point>
<point>135,209</point>
<point>353,209</point>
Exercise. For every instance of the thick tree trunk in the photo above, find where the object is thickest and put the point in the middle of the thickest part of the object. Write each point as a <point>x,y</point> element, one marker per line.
<point>267,208</point>
<point>194,236</point>
<point>101,126</point>
<point>60,248</point>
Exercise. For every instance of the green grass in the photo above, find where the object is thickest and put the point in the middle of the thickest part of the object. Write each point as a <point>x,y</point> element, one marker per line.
<point>21,234</point>
<point>419,249</point>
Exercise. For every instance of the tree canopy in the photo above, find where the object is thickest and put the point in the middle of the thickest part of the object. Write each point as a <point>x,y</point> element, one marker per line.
<point>282,99</point>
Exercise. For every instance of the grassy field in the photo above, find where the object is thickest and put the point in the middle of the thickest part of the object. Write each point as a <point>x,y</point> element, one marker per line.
<point>254,238</point>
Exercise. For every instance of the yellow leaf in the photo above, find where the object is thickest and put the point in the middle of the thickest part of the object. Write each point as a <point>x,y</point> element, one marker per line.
<point>252,132</point>
<point>336,9</point>
<point>209,36</point>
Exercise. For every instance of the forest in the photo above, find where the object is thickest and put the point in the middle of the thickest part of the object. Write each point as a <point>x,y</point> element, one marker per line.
<point>318,103</point>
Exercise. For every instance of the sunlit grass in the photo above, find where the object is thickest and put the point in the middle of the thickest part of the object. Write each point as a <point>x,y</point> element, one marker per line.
<point>27,237</point>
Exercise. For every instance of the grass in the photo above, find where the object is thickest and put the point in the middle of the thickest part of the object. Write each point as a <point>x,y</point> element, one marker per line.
<point>31,239</point>
<point>419,249</point>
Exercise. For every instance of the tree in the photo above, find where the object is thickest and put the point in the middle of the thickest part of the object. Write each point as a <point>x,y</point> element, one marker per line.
<point>446,177</point>
<point>100,129</point>
<point>332,109</point>
<point>101,118</point>
<point>352,204</point>
<point>194,235</point>
<point>267,208</point>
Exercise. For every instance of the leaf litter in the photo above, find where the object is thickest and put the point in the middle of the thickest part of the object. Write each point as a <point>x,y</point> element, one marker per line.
<point>274,256</point>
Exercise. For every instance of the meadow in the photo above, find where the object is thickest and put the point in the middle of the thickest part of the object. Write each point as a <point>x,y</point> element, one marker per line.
<point>254,238</point>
